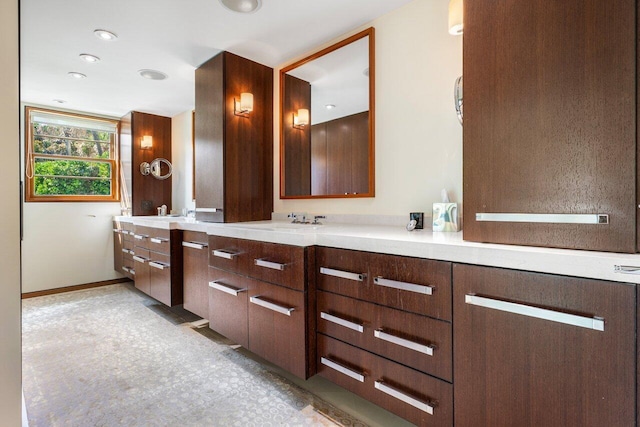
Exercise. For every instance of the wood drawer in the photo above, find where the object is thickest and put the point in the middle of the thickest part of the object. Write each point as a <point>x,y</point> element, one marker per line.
<point>386,383</point>
<point>412,284</point>
<point>195,267</point>
<point>228,299</point>
<point>231,254</point>
<point>277,326</point>
<point>141,268</point>
<point>160,278</point>
<point>417,341</point>
<point>278,263</point>
<point>155,239</point>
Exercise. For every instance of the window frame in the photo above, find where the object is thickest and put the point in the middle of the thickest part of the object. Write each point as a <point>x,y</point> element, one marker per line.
<point>30,156</point>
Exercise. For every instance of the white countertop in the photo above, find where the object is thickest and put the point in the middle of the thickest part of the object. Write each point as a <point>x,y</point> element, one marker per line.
<point>418,243</point>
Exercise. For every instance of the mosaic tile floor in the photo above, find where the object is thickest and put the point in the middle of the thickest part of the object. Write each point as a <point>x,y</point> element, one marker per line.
<point>110,356</point>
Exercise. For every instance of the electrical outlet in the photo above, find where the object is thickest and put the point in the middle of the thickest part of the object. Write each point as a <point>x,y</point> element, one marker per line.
<point>147,205</point>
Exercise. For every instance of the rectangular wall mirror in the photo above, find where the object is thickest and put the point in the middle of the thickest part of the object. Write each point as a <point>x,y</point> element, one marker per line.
<point>327,122</point>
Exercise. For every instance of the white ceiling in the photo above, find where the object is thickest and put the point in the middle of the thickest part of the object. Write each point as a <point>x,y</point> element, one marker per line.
<point>172,36</point>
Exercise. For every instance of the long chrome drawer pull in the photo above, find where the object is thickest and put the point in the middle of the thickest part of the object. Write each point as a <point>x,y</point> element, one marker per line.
<point>405,286</point>
<point>158,240</point>
<point>262,262</point>
<point>425,407</point>
<point>158,265</point>
<point>426,349</point>
<point>545,218</point>
<point>342,322</point>
<point>226,289</point>
<point>626,269</point>
<point>194,245</point>
<point>127,251</point>
<point>117,230</point>
<point>125,232</point>
<point>222,253</point>
<point>127,269</point>
<point>595,323</point>
<point>359,277</point>
<point>139,259</point>
<point>343,370</point>
<point>209,210</point>
<point>140,236</point>
<point>271,306</point>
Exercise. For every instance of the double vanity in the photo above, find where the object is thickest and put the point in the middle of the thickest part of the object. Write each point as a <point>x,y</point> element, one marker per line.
<point>416,322</point>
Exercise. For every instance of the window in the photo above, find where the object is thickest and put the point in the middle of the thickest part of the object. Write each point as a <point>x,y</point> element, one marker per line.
<point>70,157</point>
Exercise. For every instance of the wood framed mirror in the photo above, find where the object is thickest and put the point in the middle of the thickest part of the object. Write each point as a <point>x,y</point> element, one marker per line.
<point>327,122</point>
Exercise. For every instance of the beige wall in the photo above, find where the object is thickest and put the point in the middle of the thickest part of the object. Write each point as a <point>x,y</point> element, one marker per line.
<point>418,137</point>
<point>10,354</point>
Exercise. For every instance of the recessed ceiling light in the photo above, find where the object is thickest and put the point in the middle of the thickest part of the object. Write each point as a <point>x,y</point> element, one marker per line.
<point>105,35</point>
<point>59,101</point>
<point>89,58</point>
<point>76,75</point>
<point>329,106</point>
<point>152,74</point>
<point>242,6</point>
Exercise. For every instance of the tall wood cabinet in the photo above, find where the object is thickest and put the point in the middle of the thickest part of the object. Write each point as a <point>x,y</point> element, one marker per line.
<point>145,192</point>
<point>233,153</point>
<point>550,122</point>
<point>535,349</point>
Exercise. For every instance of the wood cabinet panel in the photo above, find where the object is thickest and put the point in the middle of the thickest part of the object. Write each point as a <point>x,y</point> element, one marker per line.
<point>422,388</point>
<point>234,154</point>
<point>420,274</point>
<point>141,268</point>
<point>267,258</point>
<point>228,310</point>
<point>160,277</point>
<point>423,333</point>
<point>117,249</point>
<point>550,120</point>
<point>513,369</point>
<point>296,166</point>
<point>195,273</point>
<point>278,337</point>
<point>228,253</point>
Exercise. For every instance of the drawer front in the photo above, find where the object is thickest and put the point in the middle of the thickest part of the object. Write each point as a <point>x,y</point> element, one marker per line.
<point>277,329</point>
<point>228,299</point>
<point>141,268</point>
<point>195,264</point>
<point>160,278</point>
<point>417,341</point>
<point>412,395</point>
<point>411,284</point>
<point>277,263</point>
<point>228,253</point>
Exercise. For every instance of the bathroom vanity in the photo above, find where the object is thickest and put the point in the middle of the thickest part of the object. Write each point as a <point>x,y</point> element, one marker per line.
<point>417,322</point>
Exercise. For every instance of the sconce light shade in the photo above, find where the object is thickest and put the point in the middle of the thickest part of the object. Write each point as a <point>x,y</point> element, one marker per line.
<point>301,119</point>
<point>455,17</point>
<point>244,106</point>
<point>146,142</point>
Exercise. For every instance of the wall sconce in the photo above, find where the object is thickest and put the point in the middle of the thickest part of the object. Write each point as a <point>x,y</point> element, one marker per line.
<point>455,17</point>
<point>301,119</point>
<point>146,142</point>
<point>243,106</point>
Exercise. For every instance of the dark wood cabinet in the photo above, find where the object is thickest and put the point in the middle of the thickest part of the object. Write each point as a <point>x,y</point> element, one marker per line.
<point>384,331</point>
<point>550,121</point>
<point>146,193</point>
<point>259,297</point>
<point>123,248</point>
<point>118,240</point>
<point>233,153</point>
<point>158,263</point>
<point>228,305</point>
<point>534,349</point>
<point>195,269</point>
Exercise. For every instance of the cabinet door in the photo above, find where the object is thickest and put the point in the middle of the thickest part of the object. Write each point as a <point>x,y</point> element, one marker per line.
<point>195,273</point>
<point>550,121</point>
<point>141,267</point>
<point>228,299</point>
<point>277,326</point>
<point>160,278</point>
<point>529,349</point>
<point>117,249</point>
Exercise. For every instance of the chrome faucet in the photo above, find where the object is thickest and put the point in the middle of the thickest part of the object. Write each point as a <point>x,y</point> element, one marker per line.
<point>296,218</point>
